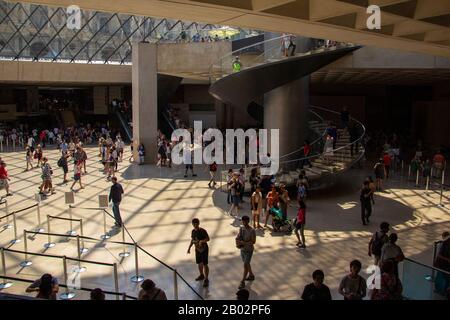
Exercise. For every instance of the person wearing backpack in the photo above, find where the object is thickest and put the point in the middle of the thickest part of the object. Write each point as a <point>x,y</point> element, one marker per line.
<point>353,286</point>
<point>212,173</point>
<point>377,242</point>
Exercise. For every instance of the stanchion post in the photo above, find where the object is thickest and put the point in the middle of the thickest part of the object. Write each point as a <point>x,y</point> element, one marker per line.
<point>38,208</point>
<point>49,244</point>
<point>116,280</point>
<point>427,185</point>
<point>442,190</point>
<point>136,278</point>
<point>105,235</point>
<point>4,284</point>
<point>175,284</point>
<point>26,262</point>
<point>417,177</point>
<point>409,172</point>
<point>71,231</point>
<point>7,226</point>
<point>66,295</point>
<point>83,248</point>
<point>79,268</point>
<point>16,239</point>
<point>124,253</point>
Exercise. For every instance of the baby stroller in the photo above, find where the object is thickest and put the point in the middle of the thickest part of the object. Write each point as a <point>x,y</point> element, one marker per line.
<point>279,223</point>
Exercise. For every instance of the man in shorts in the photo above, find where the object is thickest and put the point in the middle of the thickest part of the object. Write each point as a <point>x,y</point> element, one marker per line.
<point>200,238</point>
<point>245,241</point>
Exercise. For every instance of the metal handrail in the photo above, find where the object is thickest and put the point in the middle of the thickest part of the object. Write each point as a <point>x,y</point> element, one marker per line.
<point>143,250</point>
<point>427,266</point>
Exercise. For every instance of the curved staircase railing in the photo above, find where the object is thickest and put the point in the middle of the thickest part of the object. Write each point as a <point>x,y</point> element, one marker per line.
<point>349,148</point>
<point>266,51</point>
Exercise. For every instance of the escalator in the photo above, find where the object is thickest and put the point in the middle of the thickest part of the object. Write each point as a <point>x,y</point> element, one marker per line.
<point>167,86</point>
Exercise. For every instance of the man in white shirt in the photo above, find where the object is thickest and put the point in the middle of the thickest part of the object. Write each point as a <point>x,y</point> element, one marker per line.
<point>31,143</point>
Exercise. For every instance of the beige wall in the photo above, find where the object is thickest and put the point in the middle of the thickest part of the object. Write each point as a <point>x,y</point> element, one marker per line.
<point>183,59</point>
<point>100,100</point>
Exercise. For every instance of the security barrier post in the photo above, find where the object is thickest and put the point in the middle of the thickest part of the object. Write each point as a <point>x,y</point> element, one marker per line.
<point>5,284</point>
<point>136,278</point>
<point>79,268</point>
<point>16,239</point>
<point>417,178</point>
<point>38,208</point>
<point>7,226</point>
<point>116,280</point>
<point>124,253</point>
<point>67,295</point>
<point>83,249</point>
<point>71,231</point>
<point>26,262</point>
<point>105,235</point>
<point>49,244</point>
<point>442,190</point>
<point>427,185</point>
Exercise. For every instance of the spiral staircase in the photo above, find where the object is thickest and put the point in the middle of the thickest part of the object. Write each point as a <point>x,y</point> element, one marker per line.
<point>265,58</point>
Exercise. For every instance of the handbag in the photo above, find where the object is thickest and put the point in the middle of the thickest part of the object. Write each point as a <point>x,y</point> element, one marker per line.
<point>239,238</point>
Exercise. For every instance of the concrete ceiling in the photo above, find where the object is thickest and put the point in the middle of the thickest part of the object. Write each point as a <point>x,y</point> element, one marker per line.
<point>411,25</point>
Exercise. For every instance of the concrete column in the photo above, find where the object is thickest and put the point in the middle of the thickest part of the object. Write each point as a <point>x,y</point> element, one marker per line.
<point>145,104</point>
<point>286,109</point>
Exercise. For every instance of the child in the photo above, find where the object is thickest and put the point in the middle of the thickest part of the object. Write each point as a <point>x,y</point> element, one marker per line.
<point>29,158</point>
<point>256,201</point>
<point>77,175</point>
<point>141,152</point>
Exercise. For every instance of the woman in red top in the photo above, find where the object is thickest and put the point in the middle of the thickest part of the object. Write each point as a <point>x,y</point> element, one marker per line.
<point>300,224</point>
<point>4,178</point>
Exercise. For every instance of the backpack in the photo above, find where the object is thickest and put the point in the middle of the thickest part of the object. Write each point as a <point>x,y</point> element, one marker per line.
<point>377,245</point>
<point>60,162</point>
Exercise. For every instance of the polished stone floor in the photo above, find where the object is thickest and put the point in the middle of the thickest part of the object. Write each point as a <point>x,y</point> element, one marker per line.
<point>158,207</point>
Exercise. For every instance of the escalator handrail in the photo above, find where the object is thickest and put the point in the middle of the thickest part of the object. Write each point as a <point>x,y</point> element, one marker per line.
<point>125,125</point>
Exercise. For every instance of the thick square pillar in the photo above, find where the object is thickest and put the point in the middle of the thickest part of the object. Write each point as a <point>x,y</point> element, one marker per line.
<point>145,99</point>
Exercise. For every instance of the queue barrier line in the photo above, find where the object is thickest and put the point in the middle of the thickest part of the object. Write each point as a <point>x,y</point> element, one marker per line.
<point>137,277</point>
<point>14,225</point>
<point>67,295</point>
<point>122,294</point>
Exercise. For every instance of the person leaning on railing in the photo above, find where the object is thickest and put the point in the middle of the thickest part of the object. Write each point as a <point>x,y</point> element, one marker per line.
<point>47,287</point>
